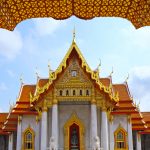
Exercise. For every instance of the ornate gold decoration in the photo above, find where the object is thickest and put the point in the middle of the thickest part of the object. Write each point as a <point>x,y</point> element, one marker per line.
<point>74,119</point>
<point>14,11</point>
<point>39,110</point>
<point>53,76</point>
<point>24,140</point>
<point>19,119</point>
<point>37,119</point>
<point>123,139</point>
<point>44,108</point>
<point>129,119</point>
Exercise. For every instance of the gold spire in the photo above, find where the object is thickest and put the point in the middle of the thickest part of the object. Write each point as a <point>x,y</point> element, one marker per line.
<point>112,71</point>
<point>99,65</point>
<point>74,34</point>
<point>36,72</point>
<point>49,67</point>
<point>21,79</point>
<point>127,78</point>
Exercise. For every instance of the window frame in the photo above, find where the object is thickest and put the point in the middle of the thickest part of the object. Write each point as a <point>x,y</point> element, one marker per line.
<point>122,140</point>
<point>25,141</point>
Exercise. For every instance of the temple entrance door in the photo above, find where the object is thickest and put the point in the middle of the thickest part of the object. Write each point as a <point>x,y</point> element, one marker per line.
<point>74,132</point>
<point>74,137</point>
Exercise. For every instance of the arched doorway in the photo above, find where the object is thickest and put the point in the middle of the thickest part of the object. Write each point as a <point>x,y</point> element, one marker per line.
<point>74,137</point>
<point>74,134</point>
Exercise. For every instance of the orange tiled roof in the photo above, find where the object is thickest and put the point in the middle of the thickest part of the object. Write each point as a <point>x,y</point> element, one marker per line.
<point>105,81</point>
<point>3,117</point>
<point>146,116</point>
<point>42,82</point>
<point>25,92</point>
<point>122,91</point>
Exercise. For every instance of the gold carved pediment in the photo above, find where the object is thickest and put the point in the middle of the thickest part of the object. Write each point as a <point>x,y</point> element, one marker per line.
<point>74,75</point>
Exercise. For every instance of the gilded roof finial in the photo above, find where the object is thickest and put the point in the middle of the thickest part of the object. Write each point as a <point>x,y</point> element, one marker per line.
<point>112,71</point>
<point>49,67</point>
<point>138,105</point>
<point>99,65</point>
<point>21,79</point>
<point>36,72</point>
<point>127,78</point>
<point>74,34</point>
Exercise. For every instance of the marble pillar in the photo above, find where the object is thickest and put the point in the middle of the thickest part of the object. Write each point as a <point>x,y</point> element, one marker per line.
<point>138,141</point>
<point>44,130</point>
<point>55,123</point>
<point>104,131</point>
<point>93,123</point>
<point>10,144</point>
<point>19,133</point>
<point>130,137</point>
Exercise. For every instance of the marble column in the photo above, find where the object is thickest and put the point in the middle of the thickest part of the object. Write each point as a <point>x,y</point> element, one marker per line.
<point>111,136</point>
<point>130,137</point>
<point>44,130</point>
<point>138,141</point>
<point>55,123</point>
<point>93,123</point>
<point>104,131</point>
<point>19,135</point>
<point>10,144</point>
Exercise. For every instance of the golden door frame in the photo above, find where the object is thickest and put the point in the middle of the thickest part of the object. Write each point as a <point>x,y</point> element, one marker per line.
<point>74,119</point>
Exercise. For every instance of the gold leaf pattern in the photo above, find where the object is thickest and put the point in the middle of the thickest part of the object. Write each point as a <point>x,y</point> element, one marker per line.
<point>13,12</point>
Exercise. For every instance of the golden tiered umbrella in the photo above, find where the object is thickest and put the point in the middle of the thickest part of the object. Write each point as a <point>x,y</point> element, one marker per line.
<point>14,11</point>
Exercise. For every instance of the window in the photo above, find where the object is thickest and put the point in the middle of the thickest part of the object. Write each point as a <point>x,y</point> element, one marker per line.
<point>87,92</point>
<point>80,92</point>
<point>60,93</point>
<point>67,93</point>
<point>29,139</point>
<point>120,139</point>
<point>74,92</point>
<point>73,73</point>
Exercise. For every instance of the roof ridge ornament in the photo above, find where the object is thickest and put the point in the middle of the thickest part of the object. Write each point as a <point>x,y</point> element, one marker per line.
<point>112,71</point>
<point>127,78</point>
<point>99,66</point>
<point>74,35</point>
<point>21,79</point>
<point>37,73</point>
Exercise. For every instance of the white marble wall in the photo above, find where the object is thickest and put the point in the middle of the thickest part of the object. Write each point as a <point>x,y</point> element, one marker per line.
<point>118,119</point>
<point>30,120</point>
<point>65,112</point>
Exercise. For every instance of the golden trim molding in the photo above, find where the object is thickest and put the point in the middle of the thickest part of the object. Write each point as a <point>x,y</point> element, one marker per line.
<point>74,119</point>
<point>29,129</point>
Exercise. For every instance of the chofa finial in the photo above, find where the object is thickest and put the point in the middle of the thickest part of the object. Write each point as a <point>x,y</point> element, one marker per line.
<point>127,78</point>
<point>36,72</point>
<point>49,67</point>
<point>74,34</point>
<point>21,79</point>
<point>99,65</point>
<point>112,71</point>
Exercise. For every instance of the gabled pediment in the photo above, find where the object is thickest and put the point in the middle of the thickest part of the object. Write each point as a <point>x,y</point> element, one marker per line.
<point>73,75</point>
<point>74,71</point>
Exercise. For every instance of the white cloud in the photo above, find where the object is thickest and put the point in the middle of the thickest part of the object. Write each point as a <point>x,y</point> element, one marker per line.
<point>140,84</point>
<point>10,43</point>
<point>47,26</point>
<point>3,86</point>
<point>138,38</point>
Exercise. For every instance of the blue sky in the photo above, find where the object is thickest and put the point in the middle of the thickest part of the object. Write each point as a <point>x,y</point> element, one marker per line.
<point>35,42</point>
